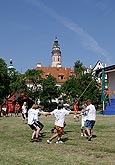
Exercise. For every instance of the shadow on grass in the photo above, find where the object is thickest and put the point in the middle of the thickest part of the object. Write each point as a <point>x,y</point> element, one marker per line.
<point>65,139</point>
<point>94,136</point>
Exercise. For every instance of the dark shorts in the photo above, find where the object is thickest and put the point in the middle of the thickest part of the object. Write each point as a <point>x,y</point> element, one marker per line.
<point>90,124</point>
<point>40,125</point>
<point>36,124</point>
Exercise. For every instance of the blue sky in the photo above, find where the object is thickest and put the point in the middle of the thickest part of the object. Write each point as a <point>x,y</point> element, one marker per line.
<point>85,30</point>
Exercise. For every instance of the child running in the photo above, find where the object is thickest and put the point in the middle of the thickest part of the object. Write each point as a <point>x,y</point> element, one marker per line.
<point>59,115</point>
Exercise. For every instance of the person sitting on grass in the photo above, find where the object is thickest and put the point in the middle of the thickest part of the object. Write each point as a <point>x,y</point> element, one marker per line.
<point>59,115</point>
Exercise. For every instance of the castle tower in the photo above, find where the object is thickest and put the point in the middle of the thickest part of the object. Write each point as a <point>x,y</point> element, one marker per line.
<point>56,54</point>
<point>11,65</point>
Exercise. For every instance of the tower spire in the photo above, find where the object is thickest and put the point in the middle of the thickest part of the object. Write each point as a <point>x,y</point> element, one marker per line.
<point>11,64</point>
<point>56,54</point>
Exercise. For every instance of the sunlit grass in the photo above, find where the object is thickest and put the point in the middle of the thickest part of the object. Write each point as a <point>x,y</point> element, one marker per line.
<point>16,148</point>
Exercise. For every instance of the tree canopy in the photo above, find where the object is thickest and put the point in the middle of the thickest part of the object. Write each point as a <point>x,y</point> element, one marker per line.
<point>4,80</point>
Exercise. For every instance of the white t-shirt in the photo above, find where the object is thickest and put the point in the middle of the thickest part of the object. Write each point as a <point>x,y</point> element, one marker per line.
<point>37,116</point>
<point>91,112</point>
<point>32,115</point>
<point>60,116</point>
<point>24,109</point>
<point>84,116</point>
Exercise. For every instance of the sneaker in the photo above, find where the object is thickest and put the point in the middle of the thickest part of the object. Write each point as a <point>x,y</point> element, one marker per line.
<point>59,142</point>
<point>49,141</point>
<point>82,134</point>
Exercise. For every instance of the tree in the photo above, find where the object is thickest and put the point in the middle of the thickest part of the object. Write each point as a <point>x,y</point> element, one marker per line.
<point>88,88</point>
<point>16,81</point>
<point>34,77</point>
<point>50,90</point>
<point>79,68</point>
<point>70,90</point>
<point>82,87</point>
<point>4,81</point>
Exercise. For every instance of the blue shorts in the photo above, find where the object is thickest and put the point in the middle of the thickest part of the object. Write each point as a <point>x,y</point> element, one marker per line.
<point>90,124</point>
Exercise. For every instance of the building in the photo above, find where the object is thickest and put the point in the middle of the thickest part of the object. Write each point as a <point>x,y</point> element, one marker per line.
<point>11,65</point>
<point>56,70</point>
<point>110,105</point>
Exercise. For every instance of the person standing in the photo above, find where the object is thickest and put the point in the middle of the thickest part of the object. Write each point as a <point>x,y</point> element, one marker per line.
<point>17,109</point>
<point>76,109</point>
<point>83,121</point>
<point>24,112</point>
<point>91,118</point>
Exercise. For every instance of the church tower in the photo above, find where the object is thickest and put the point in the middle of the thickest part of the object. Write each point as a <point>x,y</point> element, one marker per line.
<point>11,65</point>
<point>56,54</point>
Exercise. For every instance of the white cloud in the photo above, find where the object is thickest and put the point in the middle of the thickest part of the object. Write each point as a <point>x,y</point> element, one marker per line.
<point>86,39</point>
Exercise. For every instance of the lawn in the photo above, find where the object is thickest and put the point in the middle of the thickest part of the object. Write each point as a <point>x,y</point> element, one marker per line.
<point>16,148</point>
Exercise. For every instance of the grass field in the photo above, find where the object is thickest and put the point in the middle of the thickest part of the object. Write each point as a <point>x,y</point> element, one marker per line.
<point>16,148</point>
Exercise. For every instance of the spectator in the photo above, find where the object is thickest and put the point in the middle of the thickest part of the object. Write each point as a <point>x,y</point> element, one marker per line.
<point>17,109</point>
<point>24,112</point>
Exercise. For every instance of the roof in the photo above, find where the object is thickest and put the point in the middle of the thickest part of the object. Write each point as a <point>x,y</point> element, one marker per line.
<point>106,69</point>
<point>98,65</point>
<point>61,74</point>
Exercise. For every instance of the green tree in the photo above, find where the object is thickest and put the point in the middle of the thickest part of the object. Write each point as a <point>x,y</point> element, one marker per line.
<point>16,81</point>
<point>50,90</point>
<point>79,68</point>
<point>34,77</point>
<point>70,90</point>
<point>80,88</point>
<point>4,81</point>
<point>88,88</point>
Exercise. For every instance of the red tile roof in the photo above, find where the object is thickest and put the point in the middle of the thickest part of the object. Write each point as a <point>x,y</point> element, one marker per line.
<point>61,74</point>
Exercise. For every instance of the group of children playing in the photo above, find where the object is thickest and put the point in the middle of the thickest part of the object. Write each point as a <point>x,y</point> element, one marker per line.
<point>88,112</point>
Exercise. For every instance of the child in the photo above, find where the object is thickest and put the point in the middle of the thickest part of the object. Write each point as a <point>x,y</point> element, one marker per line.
<point>83,121</point>
<point>37,118</point>
<point>33,122</point>
<point>17,109</point>
<point>76,108</point>
<point>59,114</point>
<point>24,112</point>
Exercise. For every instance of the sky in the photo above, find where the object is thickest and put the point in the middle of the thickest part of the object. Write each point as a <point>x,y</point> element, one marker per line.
<point>85,30</point>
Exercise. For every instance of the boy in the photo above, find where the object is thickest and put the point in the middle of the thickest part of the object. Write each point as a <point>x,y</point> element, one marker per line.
<point>59,114</point>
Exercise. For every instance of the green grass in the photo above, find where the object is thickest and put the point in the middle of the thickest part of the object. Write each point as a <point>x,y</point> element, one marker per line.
<point>16,148</point>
